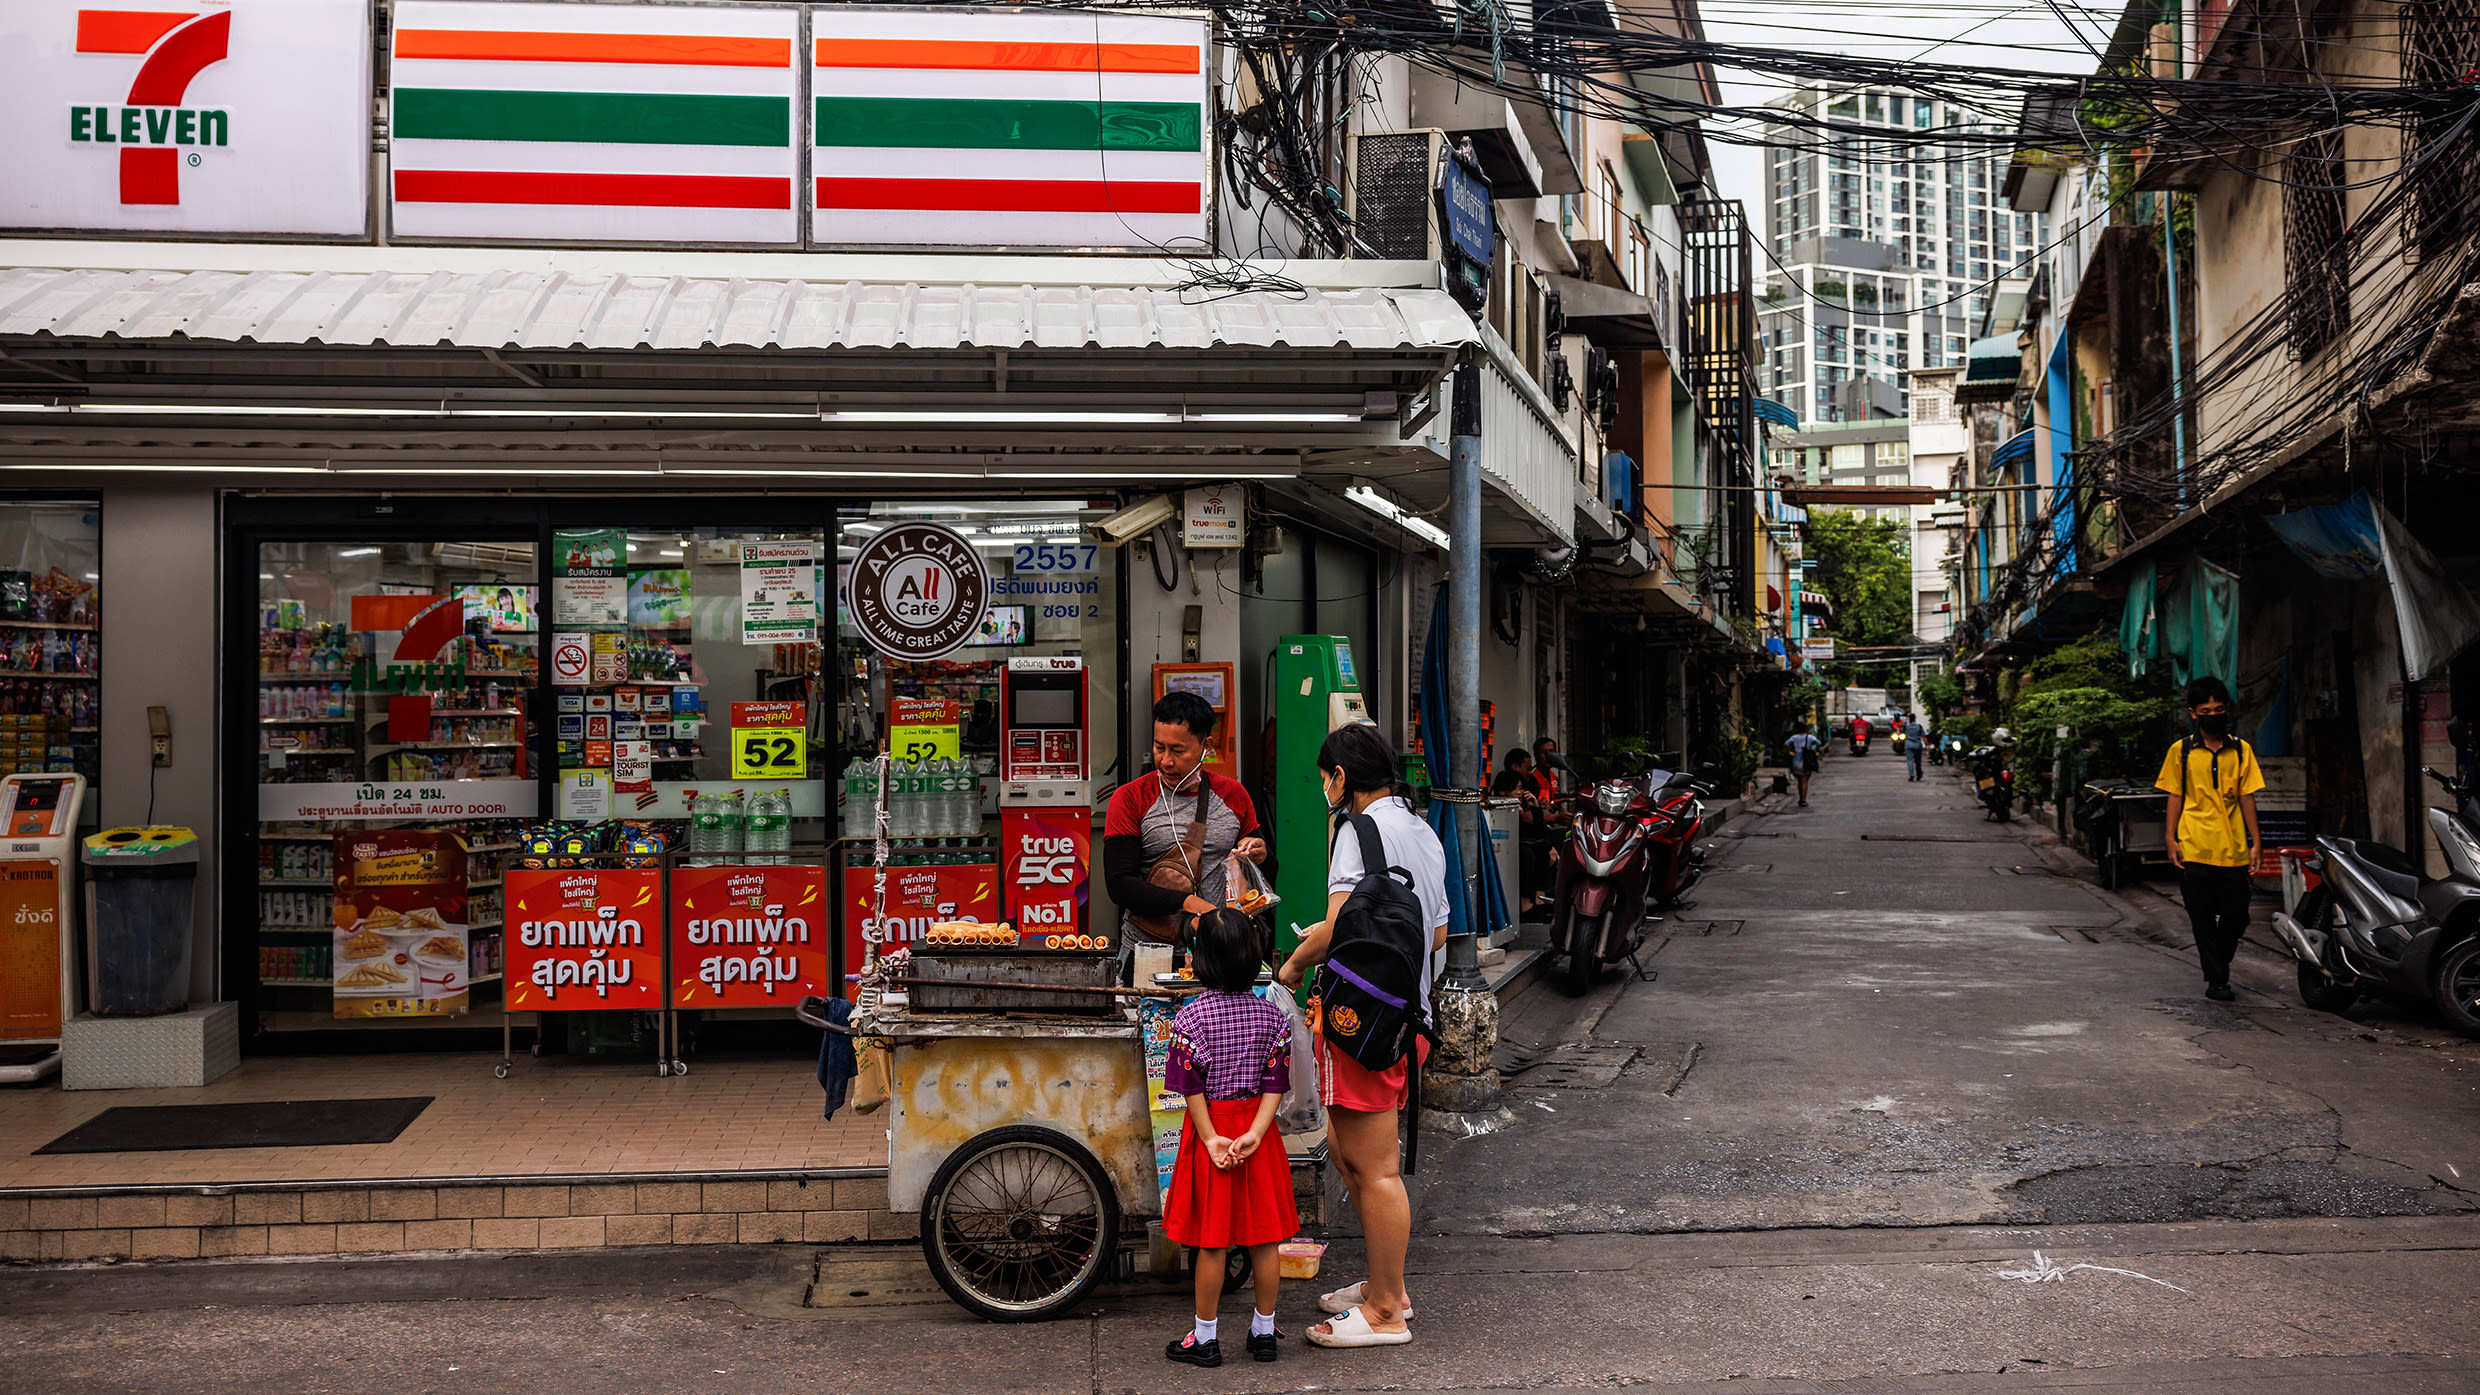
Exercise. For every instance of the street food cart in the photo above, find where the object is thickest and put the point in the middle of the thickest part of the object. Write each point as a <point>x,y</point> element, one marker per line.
<point>1020,1121</point>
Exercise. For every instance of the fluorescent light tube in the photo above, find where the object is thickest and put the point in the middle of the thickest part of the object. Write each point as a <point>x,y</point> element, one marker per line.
<point>1393,512</point>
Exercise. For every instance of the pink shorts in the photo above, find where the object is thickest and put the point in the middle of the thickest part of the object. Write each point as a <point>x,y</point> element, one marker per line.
<point>1344,1083</point>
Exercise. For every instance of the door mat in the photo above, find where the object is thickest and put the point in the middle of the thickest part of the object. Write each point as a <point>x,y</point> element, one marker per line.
<point>166,1128</point>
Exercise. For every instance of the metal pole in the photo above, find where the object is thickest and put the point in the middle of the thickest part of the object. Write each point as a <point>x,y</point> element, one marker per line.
<point>2178,375</point>
<point>1462,1077</point>
<point>1464,566</point>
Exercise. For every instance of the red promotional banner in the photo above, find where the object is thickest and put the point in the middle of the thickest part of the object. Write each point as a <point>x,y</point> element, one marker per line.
<point>1044,858</point>
<point>917,896</point>
<point>581,940</point>
<point>748,936</point>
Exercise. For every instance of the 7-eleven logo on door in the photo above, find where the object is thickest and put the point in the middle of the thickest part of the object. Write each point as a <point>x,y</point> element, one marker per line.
<point>156,133</point>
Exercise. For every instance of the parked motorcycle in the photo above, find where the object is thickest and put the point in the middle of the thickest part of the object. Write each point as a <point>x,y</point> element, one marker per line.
<point>2377,924</point>
<point>1995,781</point>
<point>1633,844</point>
<point>1937,749</point>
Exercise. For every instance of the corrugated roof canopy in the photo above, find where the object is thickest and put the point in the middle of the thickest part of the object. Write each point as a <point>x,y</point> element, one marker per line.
<point>558,310</point>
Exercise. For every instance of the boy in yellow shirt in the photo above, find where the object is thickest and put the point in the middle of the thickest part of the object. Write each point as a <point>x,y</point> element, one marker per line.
<point>2212,780</point>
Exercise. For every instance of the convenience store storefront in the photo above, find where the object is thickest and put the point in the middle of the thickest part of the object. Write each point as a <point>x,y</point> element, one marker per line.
<point>412,539</point>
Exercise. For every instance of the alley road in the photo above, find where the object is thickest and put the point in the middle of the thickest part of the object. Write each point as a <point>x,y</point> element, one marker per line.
<point>1892,1052</point>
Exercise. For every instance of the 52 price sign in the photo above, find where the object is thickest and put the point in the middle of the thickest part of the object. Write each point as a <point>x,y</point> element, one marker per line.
<point>760,753</point>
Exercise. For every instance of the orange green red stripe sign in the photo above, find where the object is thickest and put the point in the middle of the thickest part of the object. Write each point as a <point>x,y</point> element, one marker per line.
<point>1077,130</point>
<point>606,123</point>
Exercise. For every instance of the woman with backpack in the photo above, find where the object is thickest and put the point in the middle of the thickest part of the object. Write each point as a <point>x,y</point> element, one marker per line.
<point>1364,1105</point>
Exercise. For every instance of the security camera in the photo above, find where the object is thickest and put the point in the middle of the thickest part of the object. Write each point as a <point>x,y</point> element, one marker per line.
<point>1137,519</point>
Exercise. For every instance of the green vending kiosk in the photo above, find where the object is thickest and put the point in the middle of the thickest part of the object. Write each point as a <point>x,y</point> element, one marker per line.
<point>1316,690</point>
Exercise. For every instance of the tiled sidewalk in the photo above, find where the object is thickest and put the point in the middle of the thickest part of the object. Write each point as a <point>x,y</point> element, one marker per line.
<point>551,1117</point>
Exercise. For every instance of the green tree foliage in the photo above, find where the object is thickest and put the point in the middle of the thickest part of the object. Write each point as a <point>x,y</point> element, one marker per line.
<point>2084,686</point>
<point>1864,566</point>
<point>1939,692</point>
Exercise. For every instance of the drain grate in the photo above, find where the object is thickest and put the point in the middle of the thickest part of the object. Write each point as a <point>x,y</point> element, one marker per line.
<point>1578,1068</point>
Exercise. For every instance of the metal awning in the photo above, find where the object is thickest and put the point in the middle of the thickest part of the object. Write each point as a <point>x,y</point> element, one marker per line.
<point>1609,317</point>
<point>444,361</point>
<point>532,309</point>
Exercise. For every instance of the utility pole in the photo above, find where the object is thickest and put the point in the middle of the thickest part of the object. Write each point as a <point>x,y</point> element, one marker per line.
<point>1461,1077</point>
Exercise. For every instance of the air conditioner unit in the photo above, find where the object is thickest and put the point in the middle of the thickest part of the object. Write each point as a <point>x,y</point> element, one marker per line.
<point>1390,186</point>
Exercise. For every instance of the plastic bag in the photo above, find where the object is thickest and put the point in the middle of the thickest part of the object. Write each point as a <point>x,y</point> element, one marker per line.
<point>1300,1112</point>
<point>1245,887</point>
<point>874,1075</point>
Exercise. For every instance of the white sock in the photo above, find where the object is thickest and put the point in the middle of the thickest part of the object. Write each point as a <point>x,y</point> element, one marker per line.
<point>1260,1324</point>
<point>1205,1330</point>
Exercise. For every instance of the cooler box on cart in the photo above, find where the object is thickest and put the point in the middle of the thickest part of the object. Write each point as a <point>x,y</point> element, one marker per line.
<point>141,910</point>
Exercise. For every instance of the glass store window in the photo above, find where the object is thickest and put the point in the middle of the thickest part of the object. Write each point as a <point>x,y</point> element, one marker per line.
<point>51,625</point>
<point>1052,594</point>
<point>664,640</point>
<point>395,694</point>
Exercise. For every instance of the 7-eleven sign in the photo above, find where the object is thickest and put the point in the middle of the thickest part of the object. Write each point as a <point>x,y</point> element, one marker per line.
<point>186,116</point>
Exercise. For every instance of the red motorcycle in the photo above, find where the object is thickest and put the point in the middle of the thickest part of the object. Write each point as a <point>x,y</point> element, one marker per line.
<point>1633,846</point>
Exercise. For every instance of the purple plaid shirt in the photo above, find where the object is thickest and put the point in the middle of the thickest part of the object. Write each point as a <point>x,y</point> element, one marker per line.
<point>1229,1046</point>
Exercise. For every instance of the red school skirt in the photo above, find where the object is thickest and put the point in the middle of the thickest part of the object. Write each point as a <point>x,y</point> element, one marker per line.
<point>1249,1205</point>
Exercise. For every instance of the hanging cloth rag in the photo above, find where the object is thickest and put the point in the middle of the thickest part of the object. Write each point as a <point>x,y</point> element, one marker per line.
<point>836,1065</point>
<point>2139,630</point>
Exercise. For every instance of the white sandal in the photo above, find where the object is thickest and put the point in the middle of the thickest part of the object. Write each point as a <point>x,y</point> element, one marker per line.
<point>1352,1330</point>
<point>1350,1296</point>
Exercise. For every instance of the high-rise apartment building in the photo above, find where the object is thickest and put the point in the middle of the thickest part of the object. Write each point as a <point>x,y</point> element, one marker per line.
<point>1895,240</point>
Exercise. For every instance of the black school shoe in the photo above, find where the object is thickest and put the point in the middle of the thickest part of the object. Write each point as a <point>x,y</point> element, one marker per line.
<point>1188,1351</point>
<point>1263,1348</point>
<point>2220,992</point>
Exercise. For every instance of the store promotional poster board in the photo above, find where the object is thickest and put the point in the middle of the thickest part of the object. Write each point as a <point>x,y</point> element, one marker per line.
<point>1045,856</point>
<point>187,118</point>
<point>583,940</point>
<point>748,936</point>
<point>594,123</point>
<point>400,924</point>
<point>916,897</point>
<point>1020,128</point>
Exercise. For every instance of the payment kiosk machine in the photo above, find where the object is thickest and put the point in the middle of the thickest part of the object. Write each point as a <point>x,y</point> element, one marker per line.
<point>1046,797</point>
<point>38,860</point>
<point>1316,690</point>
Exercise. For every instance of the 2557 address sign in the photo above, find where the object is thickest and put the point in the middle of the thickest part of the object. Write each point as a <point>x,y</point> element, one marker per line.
<point>186,116</point>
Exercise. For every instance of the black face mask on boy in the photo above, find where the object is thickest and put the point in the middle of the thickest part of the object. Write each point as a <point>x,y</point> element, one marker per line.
<point>2213,724</point>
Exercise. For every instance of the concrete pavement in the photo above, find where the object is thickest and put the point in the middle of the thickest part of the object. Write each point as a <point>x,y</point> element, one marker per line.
<point>1884,1064</point>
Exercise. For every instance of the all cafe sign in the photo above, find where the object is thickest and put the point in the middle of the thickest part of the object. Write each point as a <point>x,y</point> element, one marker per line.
<point>186,116</point>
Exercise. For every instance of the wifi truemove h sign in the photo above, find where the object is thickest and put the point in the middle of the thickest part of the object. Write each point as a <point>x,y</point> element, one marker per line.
<point>186,116</point>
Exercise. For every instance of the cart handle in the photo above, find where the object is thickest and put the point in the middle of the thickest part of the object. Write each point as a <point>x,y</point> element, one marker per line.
<point>1038,987</point>
<point>813,1010</point>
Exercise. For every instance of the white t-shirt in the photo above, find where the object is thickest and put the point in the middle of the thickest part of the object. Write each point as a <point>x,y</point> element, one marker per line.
<point>1411,844</point>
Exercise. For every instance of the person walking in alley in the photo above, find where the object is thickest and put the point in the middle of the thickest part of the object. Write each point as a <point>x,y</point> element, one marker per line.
<point>2212,780</point>
<point>1803,744</point>
<point>1915,738</point>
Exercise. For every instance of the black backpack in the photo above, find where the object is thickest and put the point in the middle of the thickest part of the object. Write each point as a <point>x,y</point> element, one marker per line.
<point>1369,989</point>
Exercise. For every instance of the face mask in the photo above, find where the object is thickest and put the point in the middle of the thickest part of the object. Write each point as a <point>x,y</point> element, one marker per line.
<point>2214,724</point>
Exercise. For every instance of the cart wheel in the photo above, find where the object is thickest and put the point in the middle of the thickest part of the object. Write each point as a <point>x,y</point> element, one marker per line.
<point>679,1067</point>
<point>1018,1223</point>
<point>500,1070</point>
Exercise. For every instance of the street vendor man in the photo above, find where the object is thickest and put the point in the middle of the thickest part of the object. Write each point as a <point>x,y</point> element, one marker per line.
<point>1169,832</point>
<point>2212,779</point>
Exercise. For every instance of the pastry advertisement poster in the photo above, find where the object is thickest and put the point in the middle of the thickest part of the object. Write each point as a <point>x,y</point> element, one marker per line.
<point>748,936</point>
<point>584,940</point>
<point>779,592</point>
<point>400,924</point>
<point>589,581</point>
